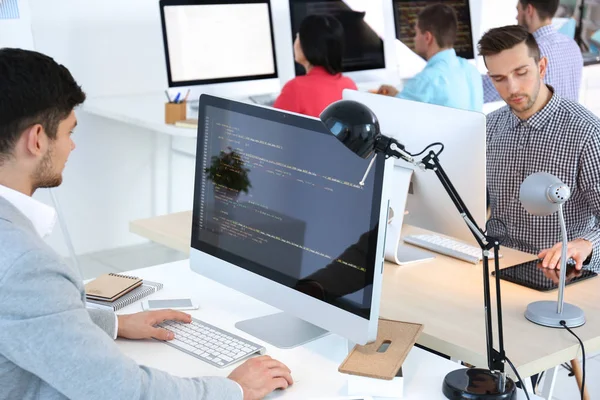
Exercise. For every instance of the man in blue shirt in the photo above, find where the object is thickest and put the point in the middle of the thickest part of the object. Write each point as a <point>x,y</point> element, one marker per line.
<point>446,80</point>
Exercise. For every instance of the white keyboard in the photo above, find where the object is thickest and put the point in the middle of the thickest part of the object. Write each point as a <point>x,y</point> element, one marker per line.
<point>448,247</point>
<point>209,343</point>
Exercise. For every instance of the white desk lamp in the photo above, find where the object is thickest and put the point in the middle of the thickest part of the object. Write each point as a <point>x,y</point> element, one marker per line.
<point>543,194</point>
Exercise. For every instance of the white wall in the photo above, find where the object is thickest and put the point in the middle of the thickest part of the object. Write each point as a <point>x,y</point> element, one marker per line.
<point>112,47</point>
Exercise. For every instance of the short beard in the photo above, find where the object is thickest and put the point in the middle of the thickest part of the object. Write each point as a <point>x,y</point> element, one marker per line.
<point>44,175</point>
<point>532,99</point>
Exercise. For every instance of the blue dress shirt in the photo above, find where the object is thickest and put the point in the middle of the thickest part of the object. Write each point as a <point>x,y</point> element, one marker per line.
<point>446,80</point>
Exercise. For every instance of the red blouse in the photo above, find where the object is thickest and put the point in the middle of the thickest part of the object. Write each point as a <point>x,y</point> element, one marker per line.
<point>312,93</point>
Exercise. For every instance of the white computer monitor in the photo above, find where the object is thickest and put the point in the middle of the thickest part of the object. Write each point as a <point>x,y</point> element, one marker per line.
<point>416,125</point>
<point>208,42</point>
<point>279,215</point>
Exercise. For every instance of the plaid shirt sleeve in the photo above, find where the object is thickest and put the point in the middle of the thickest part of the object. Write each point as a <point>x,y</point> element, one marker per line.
<point>589,183</point>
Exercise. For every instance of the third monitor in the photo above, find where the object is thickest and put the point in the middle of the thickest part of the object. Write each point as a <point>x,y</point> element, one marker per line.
<point>407,11</point>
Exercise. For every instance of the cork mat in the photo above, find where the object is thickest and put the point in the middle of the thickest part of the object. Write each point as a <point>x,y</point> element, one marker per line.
<point>367,361</point>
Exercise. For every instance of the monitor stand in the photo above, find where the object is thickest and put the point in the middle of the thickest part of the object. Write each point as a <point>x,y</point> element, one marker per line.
<point>409,254</point>
<point>281,330</point>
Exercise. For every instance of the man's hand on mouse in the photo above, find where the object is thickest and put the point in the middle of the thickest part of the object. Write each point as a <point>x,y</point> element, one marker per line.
<point>260,376</point>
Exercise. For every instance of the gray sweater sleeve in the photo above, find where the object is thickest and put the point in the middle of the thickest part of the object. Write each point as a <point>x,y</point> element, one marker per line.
<point>105,320</point>
<point>46,330</point>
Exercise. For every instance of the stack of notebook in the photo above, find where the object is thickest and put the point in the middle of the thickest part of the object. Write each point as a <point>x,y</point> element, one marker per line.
<point>115,291</point>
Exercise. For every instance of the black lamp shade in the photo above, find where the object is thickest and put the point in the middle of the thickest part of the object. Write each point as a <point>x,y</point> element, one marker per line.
<point>354,124</point>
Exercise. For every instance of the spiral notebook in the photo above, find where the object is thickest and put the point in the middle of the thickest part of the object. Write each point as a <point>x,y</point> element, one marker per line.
<point>109,287</point>
<point>146,289</point>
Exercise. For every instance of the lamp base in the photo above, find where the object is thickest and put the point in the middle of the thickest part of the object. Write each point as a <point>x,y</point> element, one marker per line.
<point>477,384</point>
<point>544,313</point>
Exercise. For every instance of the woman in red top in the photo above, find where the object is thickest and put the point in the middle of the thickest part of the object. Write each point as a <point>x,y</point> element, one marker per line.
<point>318,48</point>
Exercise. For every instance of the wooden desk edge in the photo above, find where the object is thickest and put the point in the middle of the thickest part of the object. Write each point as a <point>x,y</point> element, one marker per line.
<point>140,228</point>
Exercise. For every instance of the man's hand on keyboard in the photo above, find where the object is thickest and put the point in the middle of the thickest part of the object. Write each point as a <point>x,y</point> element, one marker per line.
<point>141,325</point>
<point>260,376</point>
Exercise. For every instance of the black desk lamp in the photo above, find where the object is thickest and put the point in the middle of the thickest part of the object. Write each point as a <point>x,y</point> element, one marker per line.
<point>357,127</point>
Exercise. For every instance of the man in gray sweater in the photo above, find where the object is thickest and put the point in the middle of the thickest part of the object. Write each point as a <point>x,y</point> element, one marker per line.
<point>51,346</point>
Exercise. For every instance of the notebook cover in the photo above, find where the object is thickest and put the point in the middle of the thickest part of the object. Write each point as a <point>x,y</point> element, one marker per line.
<point>367,361</point>
<point>146,289</point>
<point>109,287</point>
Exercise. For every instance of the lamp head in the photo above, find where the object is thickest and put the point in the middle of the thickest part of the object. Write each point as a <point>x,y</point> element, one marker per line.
<point>354,124</point>
<point>542,194</point>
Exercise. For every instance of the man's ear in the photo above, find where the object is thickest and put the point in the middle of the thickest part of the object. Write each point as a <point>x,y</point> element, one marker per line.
<point>530,10</point>
<point>429,38</point>
<point>543,67</point>
<point>36,141</point>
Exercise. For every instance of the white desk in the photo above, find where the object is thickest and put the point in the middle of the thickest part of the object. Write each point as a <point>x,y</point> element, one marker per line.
<point>314,366</point>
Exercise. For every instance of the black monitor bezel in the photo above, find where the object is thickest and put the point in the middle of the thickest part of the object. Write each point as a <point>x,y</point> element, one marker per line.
<point>295,120</point>
<point>345,70</point>
<point>168,3</point>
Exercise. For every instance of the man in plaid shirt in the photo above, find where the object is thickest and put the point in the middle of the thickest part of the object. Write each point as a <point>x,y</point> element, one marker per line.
<point>565,66</point>
<point>539,130</point>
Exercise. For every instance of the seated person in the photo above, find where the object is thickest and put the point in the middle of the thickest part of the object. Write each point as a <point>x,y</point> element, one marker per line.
<point>318,48</point>
<point>51,346</point>
<point>539,130</point>
<point>447,80</point>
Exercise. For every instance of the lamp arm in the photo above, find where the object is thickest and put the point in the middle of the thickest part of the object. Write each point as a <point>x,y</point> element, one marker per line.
<point>495,358</point>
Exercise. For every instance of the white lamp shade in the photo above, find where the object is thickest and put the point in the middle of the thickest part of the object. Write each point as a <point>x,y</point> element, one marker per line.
<point>542,193</point>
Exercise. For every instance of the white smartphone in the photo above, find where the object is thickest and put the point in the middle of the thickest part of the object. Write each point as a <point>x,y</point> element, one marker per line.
<point>172,304</point>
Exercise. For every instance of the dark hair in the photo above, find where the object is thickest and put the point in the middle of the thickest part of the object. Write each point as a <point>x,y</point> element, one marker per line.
<point>441,21</point>
<point>34,89</point>
<point>545,8</point>
<point>497,40</point>
<point>322,42</point>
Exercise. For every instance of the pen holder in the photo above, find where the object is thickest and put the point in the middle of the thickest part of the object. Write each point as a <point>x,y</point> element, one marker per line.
<point>175,112</point>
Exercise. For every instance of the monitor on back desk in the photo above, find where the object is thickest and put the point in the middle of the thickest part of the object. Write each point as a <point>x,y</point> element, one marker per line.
<point>226,43</point>
<point>407,11</point>
<point>363,45</point>
<point>279,215</point>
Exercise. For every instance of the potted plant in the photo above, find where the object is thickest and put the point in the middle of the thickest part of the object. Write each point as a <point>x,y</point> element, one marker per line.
<point>228,172</point>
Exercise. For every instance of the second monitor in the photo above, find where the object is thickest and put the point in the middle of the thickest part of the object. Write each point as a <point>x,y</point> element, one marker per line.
<point>407,11</point>
<point>207,41</point>
<point>363,46</point>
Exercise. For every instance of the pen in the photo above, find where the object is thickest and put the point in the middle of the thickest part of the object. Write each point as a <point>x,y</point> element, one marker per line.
<point>186,96</point>
<point>168,97</point>
<point>176,100</point>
